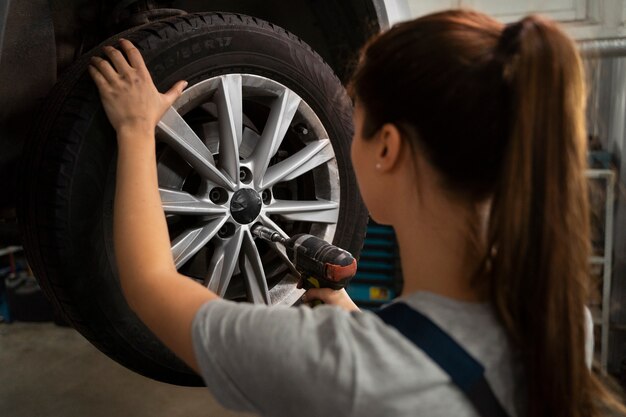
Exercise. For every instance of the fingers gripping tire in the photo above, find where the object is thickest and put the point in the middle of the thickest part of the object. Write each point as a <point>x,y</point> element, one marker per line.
<point>66,205</point>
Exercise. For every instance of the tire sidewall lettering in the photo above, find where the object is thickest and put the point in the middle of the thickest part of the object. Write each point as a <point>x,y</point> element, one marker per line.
<point>189,53</point>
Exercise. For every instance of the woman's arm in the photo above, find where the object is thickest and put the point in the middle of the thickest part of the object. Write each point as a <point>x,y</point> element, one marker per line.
<point>164,300</point>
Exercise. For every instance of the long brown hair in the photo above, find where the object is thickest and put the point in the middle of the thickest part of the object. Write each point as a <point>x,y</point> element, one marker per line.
<point>499,111</point>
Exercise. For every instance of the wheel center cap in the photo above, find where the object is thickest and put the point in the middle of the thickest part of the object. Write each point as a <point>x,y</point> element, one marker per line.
<point>245,206</point>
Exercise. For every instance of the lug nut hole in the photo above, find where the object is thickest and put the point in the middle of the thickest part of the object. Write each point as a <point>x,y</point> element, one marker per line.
<point>218,195</point>
<point>245,175</point>
<point>227,230</point>
<point>266,196</point>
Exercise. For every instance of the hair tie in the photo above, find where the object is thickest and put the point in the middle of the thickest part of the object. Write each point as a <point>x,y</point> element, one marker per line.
<point>510,38</point>
<point>508,47</point>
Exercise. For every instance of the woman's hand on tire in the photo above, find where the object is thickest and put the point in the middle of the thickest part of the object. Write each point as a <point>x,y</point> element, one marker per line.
<point>329,296</point>
<point>129,96</point>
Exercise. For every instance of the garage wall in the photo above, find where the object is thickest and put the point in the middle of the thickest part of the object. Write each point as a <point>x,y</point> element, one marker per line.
<point>607,122</point>
<point>584,19</point>
<point>507,10</point>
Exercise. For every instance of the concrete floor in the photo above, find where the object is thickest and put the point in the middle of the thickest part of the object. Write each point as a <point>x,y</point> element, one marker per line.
<point>52,371</point>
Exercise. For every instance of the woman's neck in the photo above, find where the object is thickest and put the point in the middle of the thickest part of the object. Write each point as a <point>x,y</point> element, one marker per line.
<point>440,251</point>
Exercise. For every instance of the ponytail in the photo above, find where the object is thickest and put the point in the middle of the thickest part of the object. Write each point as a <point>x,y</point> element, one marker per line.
<point>539,227</point>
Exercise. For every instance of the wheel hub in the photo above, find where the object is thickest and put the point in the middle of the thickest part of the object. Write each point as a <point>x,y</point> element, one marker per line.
<point>245,206</point>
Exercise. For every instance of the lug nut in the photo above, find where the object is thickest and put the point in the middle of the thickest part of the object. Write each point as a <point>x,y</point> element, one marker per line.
<point>245,175</point>
<point>227,230</point>
<point>218,195</point>
<point>266,196</point>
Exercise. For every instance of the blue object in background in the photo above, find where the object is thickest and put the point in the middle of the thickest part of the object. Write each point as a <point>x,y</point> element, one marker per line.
<point>600,159</point>
<point>5,314</point>
<point>378,279</point>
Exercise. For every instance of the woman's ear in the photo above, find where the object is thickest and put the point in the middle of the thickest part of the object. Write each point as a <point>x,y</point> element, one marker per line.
<point>389,147</point>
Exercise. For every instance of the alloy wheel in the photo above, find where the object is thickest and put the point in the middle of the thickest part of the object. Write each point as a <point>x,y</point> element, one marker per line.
<point>237,150</point>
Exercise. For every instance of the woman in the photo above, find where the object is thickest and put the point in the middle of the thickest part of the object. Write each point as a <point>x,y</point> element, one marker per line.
<point>474,134</point>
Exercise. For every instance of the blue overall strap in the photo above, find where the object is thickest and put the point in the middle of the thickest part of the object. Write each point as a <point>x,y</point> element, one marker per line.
<point>465,371</point>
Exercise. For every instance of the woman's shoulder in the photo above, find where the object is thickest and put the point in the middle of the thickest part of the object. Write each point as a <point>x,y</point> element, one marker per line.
<point>476,328</point>
<point>473,325</point>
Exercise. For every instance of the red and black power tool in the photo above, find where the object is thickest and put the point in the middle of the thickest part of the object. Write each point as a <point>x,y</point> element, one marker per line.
<point>320,264</point>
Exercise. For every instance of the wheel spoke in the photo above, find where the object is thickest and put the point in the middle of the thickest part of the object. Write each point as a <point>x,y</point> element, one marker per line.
<point>311,156</point>
<point>180,202</point>
<point>279,249</point>
<point>191,241</point>
<point>320,211</point>
<point>281,114</point>
<point>229,108</point>
<point>173,130</point>
<point>252,269</point>
<point>223,263</point>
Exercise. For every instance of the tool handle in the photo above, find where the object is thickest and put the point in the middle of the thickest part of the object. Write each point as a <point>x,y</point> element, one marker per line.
<point>333,267</point>
<point>311,282</point>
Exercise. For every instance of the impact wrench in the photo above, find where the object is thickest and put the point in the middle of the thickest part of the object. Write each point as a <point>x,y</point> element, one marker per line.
<point>320,264</point>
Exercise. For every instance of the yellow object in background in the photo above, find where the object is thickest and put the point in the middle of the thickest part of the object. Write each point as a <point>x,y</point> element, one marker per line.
<point>379,293</point>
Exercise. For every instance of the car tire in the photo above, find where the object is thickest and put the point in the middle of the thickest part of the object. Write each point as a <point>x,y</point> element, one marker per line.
<point>68,171</point>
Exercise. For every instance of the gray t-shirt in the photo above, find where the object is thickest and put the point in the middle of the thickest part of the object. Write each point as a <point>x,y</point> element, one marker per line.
<point>282,361</point>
